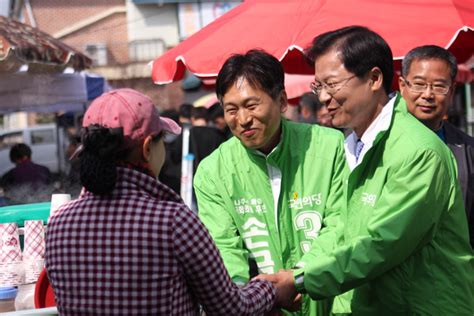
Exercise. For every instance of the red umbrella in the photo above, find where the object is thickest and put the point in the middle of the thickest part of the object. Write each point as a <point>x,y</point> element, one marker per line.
<point>285,27</point>
<point>23,44</point>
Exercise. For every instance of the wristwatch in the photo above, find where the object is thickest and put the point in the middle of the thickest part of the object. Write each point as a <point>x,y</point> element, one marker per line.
<point>298,274</point>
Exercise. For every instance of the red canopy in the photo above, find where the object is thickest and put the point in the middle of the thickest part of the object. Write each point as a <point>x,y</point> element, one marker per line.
<point>285,28</point>
<point>23,44</point>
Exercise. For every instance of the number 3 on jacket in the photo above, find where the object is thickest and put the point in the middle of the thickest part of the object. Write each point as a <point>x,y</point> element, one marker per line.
<point>310,223</point>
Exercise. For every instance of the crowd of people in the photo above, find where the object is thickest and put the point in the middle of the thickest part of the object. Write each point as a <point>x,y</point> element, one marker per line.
<point>208,130</point>
<point>363,207</point>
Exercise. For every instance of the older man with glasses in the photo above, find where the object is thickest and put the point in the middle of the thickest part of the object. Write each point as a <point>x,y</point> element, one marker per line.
<point>404,247</point>
<point>427,84</point>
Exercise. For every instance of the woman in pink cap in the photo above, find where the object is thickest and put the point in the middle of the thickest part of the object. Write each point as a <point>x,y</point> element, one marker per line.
<point>128,245</point>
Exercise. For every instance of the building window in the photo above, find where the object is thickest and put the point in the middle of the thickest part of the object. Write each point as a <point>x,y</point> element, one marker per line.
<point>98,54</point>
<point>145,50</point>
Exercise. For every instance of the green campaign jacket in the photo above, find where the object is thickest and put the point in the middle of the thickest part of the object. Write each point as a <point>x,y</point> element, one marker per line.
<point>235,200</point>
<point>405,248</point>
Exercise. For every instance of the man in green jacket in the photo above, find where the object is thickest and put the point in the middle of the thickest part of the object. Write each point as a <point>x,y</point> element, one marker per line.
<point>428,84</point>
<point>405,246</point>
<point>270,191</point>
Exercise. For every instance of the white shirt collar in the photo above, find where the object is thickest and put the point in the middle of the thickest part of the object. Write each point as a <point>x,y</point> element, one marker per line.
<point>381,123</point>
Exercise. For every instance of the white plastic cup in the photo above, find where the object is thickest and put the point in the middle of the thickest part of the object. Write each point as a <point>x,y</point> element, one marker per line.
<point>57,200</point>
<point>25,298</point>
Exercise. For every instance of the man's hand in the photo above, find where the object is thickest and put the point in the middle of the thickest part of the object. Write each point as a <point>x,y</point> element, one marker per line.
<point>286,295</point>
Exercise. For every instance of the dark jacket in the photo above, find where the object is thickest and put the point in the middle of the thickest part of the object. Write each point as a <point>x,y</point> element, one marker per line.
<point>27,183</point>
<point>26,173</point>
<point>462,146</point>
<point>203,140</point>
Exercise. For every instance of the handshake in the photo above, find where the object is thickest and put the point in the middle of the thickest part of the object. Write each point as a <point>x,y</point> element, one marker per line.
<point>286,295</point>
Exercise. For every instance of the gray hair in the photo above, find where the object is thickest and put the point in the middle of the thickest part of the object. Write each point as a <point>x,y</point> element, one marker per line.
<point>430,52</point>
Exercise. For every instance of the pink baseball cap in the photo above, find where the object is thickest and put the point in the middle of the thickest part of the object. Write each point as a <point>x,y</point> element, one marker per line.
<point>131,110</point>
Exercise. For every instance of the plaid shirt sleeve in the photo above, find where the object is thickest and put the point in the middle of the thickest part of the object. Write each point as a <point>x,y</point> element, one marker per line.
<point>207,277</point>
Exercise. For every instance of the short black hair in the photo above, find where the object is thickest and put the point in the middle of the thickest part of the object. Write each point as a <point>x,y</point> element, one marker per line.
<point>172,114</point>
<point>199,113</point>
<point>361,50</point>
<point>185,110</point>
<point>258,67</point>
<point>19,151</point>
<point>310,100</point>
<point>215,111</point>
<point>430,52</point>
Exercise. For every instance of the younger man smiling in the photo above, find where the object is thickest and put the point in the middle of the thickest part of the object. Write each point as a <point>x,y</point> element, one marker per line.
<point>276,186</point>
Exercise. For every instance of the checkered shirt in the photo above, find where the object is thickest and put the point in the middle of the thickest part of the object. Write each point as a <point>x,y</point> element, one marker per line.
<point>141,251</point>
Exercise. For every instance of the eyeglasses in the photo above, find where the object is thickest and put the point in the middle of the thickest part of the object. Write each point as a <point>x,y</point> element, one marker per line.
<point>331,87</point>
<point>420,87</point>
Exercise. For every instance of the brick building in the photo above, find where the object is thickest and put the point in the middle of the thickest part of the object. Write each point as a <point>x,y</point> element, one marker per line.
<point>105,31</point>
<point>124,36</point>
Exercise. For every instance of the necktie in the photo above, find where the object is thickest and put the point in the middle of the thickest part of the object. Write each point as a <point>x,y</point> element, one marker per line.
<point>359,147</point>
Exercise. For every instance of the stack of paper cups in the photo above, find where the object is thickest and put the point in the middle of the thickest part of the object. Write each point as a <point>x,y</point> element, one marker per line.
<point>57,200</point>
<point>33,253</point>
<point>11,264</point>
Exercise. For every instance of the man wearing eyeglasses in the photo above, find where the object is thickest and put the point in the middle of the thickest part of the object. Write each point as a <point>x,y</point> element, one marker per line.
<point>404,248</point>
<point>427,84</point>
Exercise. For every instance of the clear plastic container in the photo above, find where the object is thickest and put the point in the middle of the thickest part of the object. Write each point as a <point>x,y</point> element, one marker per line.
<point>7,299</point>
<point>25,298</point>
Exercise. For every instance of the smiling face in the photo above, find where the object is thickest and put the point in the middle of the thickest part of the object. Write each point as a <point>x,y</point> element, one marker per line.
<point>426,106</point>
<point>352,104</point>
<point>253,116</point>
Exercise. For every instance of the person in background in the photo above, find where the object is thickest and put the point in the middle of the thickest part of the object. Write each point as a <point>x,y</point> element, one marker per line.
<point>170,174</point>
<point>216,117</point>
<point>171,114</point>
<point>27,182</point>
<point>312,111</point>
<point>203,139</point>
<point>274,189</point>
<point>25,172</point>
<point>308,104</point>
<point>322,115</point>
<point>185,113</point>
<point>291,112</point>
<point>199,116</point>
<point>405,247</point>
<point>427,84</point>
<point>128,245</point>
